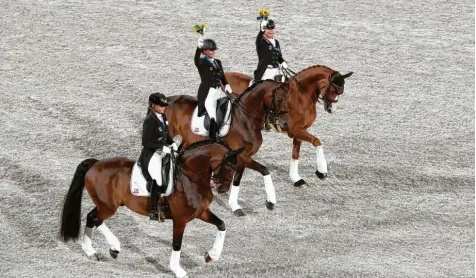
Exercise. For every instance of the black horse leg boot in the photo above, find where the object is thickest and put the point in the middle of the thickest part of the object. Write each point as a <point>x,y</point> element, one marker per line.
<point>213,129</point>
<point>266,122</point>
<point>154,193</point>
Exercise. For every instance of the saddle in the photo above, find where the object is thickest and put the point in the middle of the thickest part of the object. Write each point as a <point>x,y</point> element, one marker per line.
<point>165,170</point>
<point>222,106</point>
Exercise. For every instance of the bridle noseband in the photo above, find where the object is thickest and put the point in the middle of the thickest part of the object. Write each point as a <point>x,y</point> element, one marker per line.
<point>224,162</point>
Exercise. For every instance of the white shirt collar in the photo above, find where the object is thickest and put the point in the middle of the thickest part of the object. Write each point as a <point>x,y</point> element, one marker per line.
<point>159,116</point>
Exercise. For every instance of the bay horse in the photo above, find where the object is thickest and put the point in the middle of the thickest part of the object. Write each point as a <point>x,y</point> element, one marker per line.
<point>247,119</point>
<point>108,184</point>
<point>305,89</point>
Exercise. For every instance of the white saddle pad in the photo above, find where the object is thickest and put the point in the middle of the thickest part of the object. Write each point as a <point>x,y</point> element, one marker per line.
<point>198,123</point>
<point>139,184</point>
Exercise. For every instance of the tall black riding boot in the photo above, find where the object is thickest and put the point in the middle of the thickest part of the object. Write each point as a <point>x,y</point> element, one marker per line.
<point>154,193</point>
<point>213,129</point>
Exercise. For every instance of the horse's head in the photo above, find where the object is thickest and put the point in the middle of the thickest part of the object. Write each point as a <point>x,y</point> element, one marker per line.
<point>224,169</point>
<point>208,160</point>
<point>334,88</point>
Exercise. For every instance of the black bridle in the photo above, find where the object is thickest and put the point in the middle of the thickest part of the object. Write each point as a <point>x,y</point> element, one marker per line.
<point>224,162</point>
<point>275,104</point>
<point>289,74</point>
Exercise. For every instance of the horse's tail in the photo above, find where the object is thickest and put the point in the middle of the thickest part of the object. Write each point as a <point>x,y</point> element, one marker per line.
<point>70,218</point>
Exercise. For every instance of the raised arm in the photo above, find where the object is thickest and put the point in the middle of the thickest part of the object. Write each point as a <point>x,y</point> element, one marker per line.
<point>198,52</point>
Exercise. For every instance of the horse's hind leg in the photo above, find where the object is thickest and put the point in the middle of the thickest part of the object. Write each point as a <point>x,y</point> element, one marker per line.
<point>86,243</point>
<point>214,253</point>
<point>103,214</point>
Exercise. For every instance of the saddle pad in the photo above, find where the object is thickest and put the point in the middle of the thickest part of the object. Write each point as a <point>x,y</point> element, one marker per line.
<point>139,184</point>
<point>198,126</point>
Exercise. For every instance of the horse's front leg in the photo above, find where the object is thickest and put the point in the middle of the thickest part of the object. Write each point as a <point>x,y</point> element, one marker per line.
<point>179,228</point>
<point>304,135</point>
<point>214,253</point>
<point>293,169</point>
<point>268,183</point>
<point>235,189</point>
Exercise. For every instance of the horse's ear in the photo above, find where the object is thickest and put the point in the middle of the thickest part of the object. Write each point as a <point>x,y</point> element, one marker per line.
<point>347,75</point>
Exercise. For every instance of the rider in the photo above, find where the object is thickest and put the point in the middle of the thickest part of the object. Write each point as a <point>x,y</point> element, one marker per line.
<point>211,73</point>
<point>269,52</point>
<point>156,143</point>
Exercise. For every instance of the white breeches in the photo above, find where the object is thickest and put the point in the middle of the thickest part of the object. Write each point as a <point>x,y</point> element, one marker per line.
<point>155,168</point>
<point>211,101</point>
<point>270,73</point>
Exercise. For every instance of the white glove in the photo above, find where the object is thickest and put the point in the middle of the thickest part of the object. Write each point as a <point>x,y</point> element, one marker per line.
<point>284,65</point>
<point>175,146</point>
<point>263,24</point>
<point>228,88</point>
<point>166,150</point>
<point>200,41</point>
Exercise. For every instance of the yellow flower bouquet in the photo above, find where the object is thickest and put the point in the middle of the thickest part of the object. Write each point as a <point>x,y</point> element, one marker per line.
<point>200,28</point>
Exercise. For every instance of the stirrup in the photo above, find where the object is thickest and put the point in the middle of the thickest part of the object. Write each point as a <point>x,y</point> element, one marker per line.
<point>153,215</point>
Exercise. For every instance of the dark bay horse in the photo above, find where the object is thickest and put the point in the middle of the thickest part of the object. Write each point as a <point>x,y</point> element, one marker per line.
<point>247,119</point>
<point>305,89</point>
<point>108,184</point>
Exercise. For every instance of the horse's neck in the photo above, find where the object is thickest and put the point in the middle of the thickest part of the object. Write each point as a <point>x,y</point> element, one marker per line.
<point>195,165</point>
<point>256,96</point>
<point>313,79</point>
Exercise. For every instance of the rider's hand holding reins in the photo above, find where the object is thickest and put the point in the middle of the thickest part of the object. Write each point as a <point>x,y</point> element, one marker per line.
<point>166,150</point>
<point>284,65</point>
<point>228,89</point>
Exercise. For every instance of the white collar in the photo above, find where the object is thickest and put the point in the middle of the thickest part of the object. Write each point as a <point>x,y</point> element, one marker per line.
<point>159,116</point>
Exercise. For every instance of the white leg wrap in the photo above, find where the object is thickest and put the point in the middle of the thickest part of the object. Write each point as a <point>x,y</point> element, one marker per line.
<point>175,265</point>
<point>110,237</point>
<point>215,252</point>
<point>233,200</point>
<point>321,160</point>
<point>293,170</point>
<point>269,187</point>
<point>87,244</point>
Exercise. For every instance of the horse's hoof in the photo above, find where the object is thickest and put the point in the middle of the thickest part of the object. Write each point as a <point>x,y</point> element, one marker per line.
<point>321,176</point>
<point>300,182</point>
<point>113,253</point>
<point>221,189</point>
<point>239,212</point>
<point>269,205</point>
<point>94,257</point>
<point>208,259</point>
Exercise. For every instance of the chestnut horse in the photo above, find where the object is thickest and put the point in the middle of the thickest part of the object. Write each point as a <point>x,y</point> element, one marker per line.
<point>305,89</point>
<point>108,184</point>
<point>247,119</point>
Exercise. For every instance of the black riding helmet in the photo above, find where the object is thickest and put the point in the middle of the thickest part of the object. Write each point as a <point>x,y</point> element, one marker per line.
<point>158,99</point>
<point>270,24</point>
<point>209,44</point>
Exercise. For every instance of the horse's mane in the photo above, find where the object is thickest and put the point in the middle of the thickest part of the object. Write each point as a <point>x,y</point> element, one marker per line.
<point>254,85</point>
<point>310,67</point>
<point>280,84</point>
<point>179,159</point>
<point>202,143</point>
